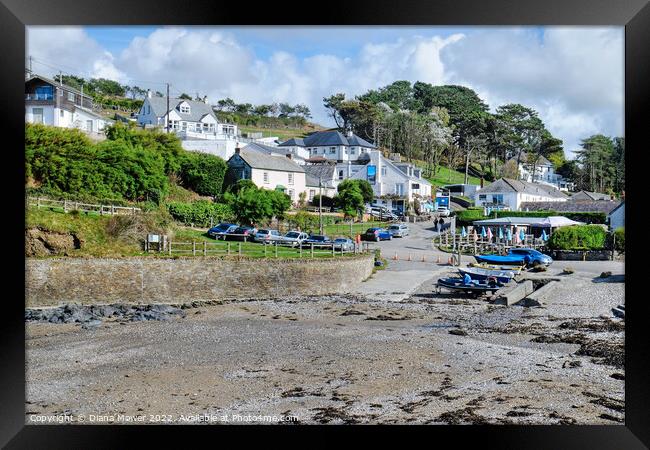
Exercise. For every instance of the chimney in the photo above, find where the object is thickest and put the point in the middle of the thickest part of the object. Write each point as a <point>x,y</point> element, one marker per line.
<point>205,99</point>
<point>237,149</point>
<point>149,94</point>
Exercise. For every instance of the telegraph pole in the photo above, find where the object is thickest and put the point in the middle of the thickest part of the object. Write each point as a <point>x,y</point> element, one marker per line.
<point>167,114</point>
<point>320,204</point>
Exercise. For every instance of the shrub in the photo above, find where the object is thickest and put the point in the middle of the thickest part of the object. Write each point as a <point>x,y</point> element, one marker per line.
<point>203,173</point>
<point>328,202</point>
<point>578,237</point>
<point>617,240</point>
<point>199,213</point>
<point>304,221</point>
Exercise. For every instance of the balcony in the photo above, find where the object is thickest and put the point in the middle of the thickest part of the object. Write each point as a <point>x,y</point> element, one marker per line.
<point>211,135</point>
<point>44,98</point>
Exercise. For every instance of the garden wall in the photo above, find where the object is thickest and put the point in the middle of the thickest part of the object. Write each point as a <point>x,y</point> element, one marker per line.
<point>55,281</point>
<point>580,255</point>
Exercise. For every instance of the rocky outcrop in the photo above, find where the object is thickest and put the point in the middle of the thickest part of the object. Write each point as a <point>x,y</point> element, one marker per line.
<point>40,242</point>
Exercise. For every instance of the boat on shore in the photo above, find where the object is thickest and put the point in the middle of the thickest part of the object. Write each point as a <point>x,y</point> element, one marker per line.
<point>516,269</point>
<point>475,287</point>
<point>482,274</point>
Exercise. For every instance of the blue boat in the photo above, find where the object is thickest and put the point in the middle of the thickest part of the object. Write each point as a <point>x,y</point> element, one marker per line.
<point>517,257</point>
<point>481,274</point>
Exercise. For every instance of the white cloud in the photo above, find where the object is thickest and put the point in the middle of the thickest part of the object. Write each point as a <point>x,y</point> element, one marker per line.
<point>572,76</point>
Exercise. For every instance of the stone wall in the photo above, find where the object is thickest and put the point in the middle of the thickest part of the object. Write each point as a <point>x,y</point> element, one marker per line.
<point>55,281</point>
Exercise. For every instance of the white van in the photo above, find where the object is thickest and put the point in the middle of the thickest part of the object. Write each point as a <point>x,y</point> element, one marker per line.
<point>399,230</point>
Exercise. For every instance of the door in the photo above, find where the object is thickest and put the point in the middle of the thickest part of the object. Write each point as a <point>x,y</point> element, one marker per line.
<point>89,125</point>
<point>37,114</point>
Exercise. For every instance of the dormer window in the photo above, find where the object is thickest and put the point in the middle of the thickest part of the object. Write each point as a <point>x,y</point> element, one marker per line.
<point>184,108</point>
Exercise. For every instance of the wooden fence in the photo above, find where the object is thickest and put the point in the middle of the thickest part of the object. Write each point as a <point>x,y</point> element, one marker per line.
<point>69,205</point>
<point>274,249</point>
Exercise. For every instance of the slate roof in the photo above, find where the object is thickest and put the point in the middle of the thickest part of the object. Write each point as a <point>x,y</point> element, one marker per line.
<point>591,195</point>
<point>197,109</point>
<point>293,142</point>
<point>259,159</point>
<point>326,138</point>
<point>605,206</point>
<point>510,185</point>
<point>313,171</point>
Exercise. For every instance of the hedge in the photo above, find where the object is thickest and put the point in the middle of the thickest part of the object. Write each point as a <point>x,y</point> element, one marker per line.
<point>617,239</point>
<point>200,212</point>
<point>579,237</point>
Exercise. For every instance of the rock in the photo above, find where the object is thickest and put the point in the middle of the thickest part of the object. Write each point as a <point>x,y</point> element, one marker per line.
<point>618,376</point>
<point>458,332</point>
<point>618,312</point>
<point>605,274</point>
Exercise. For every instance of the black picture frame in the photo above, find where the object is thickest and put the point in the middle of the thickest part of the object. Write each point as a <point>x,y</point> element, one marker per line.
<point>633,14</point>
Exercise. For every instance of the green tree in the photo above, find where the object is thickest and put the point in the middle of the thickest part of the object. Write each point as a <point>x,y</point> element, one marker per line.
<point>203,173</point>
<point>349,199</point>
<point>184,96</point>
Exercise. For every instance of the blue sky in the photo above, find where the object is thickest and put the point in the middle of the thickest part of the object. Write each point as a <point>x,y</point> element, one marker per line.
<point>573,76</point>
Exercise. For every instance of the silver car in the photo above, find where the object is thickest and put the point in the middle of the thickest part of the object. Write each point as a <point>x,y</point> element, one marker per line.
<point>293,238</point>
<point>266,236</point>
<point>343,244</point>
<point>399,230</point>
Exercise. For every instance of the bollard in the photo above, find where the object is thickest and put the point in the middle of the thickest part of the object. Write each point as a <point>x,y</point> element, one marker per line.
<point>423,257</point>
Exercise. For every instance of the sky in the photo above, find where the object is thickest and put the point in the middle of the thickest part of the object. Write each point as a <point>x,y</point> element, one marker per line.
<point>573,76</point>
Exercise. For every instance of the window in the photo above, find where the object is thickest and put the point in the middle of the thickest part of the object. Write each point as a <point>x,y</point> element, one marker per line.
<point>399,189</point>
<point>332,150</point>
<point>185,109</point>
<point>312,193</point>
<point>340,174</point>
<point>497,198</point>
<point>415,186</point>
<point>37,113</point>
<point>291,179</point>
<point>482,197</point>
<point>352,151</point>
<point>290,193</point>
<point>43,93</point>
<point>266,178</point>
<point>149,109</point>
<point>384,171</point>
<point>61,113</point>
<point>71,96</point>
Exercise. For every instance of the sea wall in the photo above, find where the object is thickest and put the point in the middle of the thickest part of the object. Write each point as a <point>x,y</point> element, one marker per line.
<point>54,281</point>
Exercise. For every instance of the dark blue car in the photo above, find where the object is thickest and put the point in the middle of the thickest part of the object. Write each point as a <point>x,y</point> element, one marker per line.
<point>220,231</point>
<point>377,234</point>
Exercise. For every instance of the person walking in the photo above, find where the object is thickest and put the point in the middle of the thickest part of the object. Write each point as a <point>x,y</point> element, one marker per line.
<point>437,222</point>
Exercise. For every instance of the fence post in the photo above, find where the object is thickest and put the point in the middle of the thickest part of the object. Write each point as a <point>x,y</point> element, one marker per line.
<point>205,248</point>
<point>170,247</point>
<point>38,202</point>
<point>333,250</point>
<point>228,246</point>
<point>312,250</point>
<point>276,249</point>
<point>239,248</point>
<point>112,210</point>
<point>65,206</point>
<point>265,246</point>
<point>300,247</point>
<point>193,248</point>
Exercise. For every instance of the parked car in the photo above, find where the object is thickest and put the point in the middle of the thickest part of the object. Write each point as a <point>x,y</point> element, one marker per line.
<point>267,236</point>
<point>383,214</point>
<point>443,211</point>
<point>294,238</point>
<point>399,230</point>
<point>219,231</point>
<point>241,234</point>
<point>317,240</point>
<point>376,234</point>
<point>347,245</point>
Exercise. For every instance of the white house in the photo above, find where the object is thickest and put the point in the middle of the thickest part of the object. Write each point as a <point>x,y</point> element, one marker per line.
<point>194,122</point>
<point>53,103</point>
<point>544,173</point>
<point>332,145</point>
<point>509,194</point>
<point>268,171</point>
<point>617,216</point>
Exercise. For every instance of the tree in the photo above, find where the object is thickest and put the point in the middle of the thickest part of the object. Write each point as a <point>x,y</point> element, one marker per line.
<point>244,108</point>
<point>333,105</point>
<point>251,205</point>
<point>184,96</point>
<point>106,87</point>
<point>226,104</point>
<point>349,199</point>
<point>203,173</point>
<point>365,188</point>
